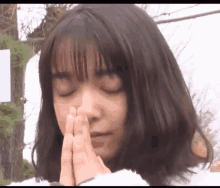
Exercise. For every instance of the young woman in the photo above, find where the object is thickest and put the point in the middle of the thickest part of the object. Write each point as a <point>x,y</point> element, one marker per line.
<point>113,62</point>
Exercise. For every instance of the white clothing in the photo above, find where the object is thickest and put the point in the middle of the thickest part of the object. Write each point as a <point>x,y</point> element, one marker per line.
<point>130,178</point>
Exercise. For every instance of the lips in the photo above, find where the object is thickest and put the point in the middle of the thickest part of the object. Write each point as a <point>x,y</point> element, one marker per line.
<point>96,134</point>
<point>100,140</point>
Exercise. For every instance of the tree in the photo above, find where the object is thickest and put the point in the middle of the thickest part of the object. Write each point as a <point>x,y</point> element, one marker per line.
<point>11,150</point>
<point>11,163</point>
<point>205,117</point>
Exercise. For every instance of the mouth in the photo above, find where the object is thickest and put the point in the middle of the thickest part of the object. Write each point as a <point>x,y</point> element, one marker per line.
<point>99,140</point>
<point>97,134</point>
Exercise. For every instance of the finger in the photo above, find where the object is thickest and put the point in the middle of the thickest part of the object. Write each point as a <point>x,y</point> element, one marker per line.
<point>80,111</point>
<point>79,139</point>
<point>92,158</point>
<point>72,110</point>
<point>84,167</point>
<point>66,175</point>
<point>70,120</point>
<point>80,160</point>
<point>78,151</point>
<point>83,160</point>
<point>84,122</point>
<point>78,129</point>
<point>87,139</point>
<point>86,131</point>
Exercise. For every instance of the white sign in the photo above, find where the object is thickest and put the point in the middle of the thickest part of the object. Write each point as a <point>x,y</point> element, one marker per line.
<point>5,76</point>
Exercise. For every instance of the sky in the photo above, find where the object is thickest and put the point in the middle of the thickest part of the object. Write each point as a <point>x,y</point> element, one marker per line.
<point>200,58</point>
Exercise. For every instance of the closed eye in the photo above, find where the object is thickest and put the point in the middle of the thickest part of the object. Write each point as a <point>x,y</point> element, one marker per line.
<point>63,84</point>
<point>68,94</point>
<point>61,75</point>
<point>111,91</point>
<point>111,84</point>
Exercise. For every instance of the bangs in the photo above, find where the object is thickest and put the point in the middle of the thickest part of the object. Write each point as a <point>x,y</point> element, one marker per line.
<point>70,56</point>
<point>70,48</point>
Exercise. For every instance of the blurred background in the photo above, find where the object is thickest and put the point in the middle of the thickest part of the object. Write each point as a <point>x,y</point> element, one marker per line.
<point>191,30</point>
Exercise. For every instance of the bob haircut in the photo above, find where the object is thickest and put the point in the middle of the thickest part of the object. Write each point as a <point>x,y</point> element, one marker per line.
<point>161,119</point>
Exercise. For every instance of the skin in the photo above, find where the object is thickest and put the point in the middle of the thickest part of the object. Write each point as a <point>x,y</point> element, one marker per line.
<point>105,112</point>
<point>78,159</point>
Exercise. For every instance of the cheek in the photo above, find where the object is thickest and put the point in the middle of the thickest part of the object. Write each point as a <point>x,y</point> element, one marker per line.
<point>117,114</point>
<point>119,108</point>
<point>61,111</point>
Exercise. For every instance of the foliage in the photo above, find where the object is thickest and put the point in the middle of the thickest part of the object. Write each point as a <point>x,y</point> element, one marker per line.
<point>2,181</point>
<point>28,170</point>
<point>20,52</point>
<point>11,113</point>
<point>9,116</point>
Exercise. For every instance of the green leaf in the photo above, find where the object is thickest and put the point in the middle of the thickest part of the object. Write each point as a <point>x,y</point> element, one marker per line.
<point>20,52</point>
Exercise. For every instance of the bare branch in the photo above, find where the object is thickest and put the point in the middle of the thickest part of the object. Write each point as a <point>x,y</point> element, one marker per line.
<point>168,40</point>
<point>13,26</point>
<point>4,17</point>
<point>158,9</point>
<point>35,39</point>
<point>14,8</point>
<point>183,47</point>
<point>164,14</point>
<point>31,113</point>
<point>161,22</point>
<point>7,23</point>
<point>187,60</point>
<point>187,17</point>
<point>22,147</point>
<point>144,7</point>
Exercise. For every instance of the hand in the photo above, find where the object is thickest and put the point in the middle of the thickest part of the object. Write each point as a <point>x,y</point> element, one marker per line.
<point>78,160</point>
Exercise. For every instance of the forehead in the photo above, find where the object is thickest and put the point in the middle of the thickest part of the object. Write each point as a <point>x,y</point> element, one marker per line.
<point>72,58</point>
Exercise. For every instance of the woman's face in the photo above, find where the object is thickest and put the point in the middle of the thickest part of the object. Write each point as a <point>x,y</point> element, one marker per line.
<point>106,111</point>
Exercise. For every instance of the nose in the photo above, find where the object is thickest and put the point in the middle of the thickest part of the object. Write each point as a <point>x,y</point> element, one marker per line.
<point>88,104</point>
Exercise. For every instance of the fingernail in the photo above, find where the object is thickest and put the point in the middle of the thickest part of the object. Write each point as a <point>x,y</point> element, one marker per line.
<point>80,111</point>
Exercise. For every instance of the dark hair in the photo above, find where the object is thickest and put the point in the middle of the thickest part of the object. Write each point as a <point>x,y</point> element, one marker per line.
<point>161,120</point>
